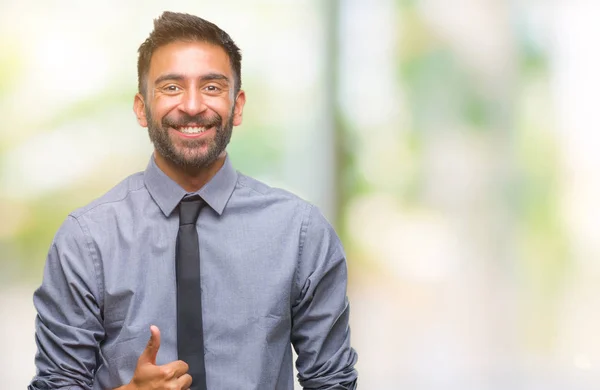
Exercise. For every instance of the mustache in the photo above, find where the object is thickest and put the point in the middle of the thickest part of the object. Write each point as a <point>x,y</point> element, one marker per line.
<point>186,120</point>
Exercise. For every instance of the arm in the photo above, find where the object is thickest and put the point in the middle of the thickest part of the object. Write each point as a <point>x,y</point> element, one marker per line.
<point>320,314</point>
<point>68,325</point>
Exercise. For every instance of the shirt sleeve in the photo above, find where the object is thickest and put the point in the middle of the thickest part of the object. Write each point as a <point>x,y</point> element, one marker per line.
<point>320,314</point>
<point>68,326</point>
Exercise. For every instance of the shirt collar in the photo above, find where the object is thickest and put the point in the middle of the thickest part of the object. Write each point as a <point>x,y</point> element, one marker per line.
<point>167,194</point>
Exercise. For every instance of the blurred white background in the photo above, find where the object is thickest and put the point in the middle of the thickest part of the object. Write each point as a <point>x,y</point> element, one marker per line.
<point>454,144</point>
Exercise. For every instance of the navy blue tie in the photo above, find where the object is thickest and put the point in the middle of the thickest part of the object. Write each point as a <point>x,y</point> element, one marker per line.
<point>190,339</point>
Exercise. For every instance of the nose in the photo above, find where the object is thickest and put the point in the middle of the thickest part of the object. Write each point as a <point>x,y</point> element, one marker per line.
<point>192,102</point>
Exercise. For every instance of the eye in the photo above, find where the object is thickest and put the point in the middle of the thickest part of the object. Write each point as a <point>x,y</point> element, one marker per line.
<point>171,88</point>
<point>212,88</point>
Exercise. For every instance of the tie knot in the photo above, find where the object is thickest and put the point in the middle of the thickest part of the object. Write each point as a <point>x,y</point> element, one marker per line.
<point>189,209</point>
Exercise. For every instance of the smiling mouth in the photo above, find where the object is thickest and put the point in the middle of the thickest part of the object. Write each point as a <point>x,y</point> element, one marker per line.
<point>192,129</point>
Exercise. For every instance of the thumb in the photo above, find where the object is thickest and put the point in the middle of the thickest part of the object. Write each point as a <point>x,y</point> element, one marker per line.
<point>149,353</point>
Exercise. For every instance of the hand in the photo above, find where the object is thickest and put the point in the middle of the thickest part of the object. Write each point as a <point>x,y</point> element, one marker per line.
<point>147,375</point>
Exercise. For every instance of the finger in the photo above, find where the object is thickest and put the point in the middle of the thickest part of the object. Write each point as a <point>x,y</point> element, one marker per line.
<point>177,368</point>
<point>151,350</point>
<point>185,381</point>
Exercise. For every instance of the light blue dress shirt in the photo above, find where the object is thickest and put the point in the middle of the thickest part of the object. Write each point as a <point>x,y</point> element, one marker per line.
<point>273,275</point>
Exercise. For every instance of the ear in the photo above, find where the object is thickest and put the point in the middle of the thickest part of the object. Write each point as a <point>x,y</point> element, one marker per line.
<point>239,108</point>
<point>139,108</point>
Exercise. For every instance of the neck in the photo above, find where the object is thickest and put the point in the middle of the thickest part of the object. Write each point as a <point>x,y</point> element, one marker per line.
<point>190,179</point>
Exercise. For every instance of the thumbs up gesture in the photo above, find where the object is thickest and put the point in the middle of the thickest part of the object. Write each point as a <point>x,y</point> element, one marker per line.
<point>147,375</point>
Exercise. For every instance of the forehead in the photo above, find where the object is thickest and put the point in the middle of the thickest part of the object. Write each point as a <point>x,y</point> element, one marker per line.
<point>191,59</point>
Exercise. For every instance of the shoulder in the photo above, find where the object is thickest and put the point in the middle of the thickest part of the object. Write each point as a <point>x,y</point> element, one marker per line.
<point>285,204</point>
<point>112,199</point>
<point>253,189</point>
<point>262,189</point>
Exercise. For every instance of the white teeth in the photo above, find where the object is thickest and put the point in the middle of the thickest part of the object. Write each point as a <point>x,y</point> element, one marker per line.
<point>192,130</point>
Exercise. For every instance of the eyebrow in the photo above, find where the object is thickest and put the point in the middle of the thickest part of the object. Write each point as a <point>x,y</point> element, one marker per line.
<point>180,77</point>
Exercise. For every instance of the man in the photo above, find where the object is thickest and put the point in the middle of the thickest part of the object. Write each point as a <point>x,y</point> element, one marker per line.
<point>190,274</point>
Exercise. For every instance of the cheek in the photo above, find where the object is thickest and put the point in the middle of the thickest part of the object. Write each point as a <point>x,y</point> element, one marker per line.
<point>163,108</point>
<point>221,107</point>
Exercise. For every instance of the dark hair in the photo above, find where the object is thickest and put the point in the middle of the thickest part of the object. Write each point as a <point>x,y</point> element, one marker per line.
<point>171,27</point>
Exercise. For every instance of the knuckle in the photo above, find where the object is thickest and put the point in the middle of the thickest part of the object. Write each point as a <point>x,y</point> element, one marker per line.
<point>167,372</point>
<point>185,367</point>
<point>183,384</point>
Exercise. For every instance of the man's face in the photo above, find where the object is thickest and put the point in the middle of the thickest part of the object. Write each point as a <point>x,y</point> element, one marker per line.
<point>190,108</point>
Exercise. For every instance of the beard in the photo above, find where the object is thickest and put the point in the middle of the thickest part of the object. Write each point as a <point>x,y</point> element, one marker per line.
<point>190,154</point>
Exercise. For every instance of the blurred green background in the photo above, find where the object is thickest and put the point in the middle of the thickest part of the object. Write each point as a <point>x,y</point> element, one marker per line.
<point>453,143</point>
